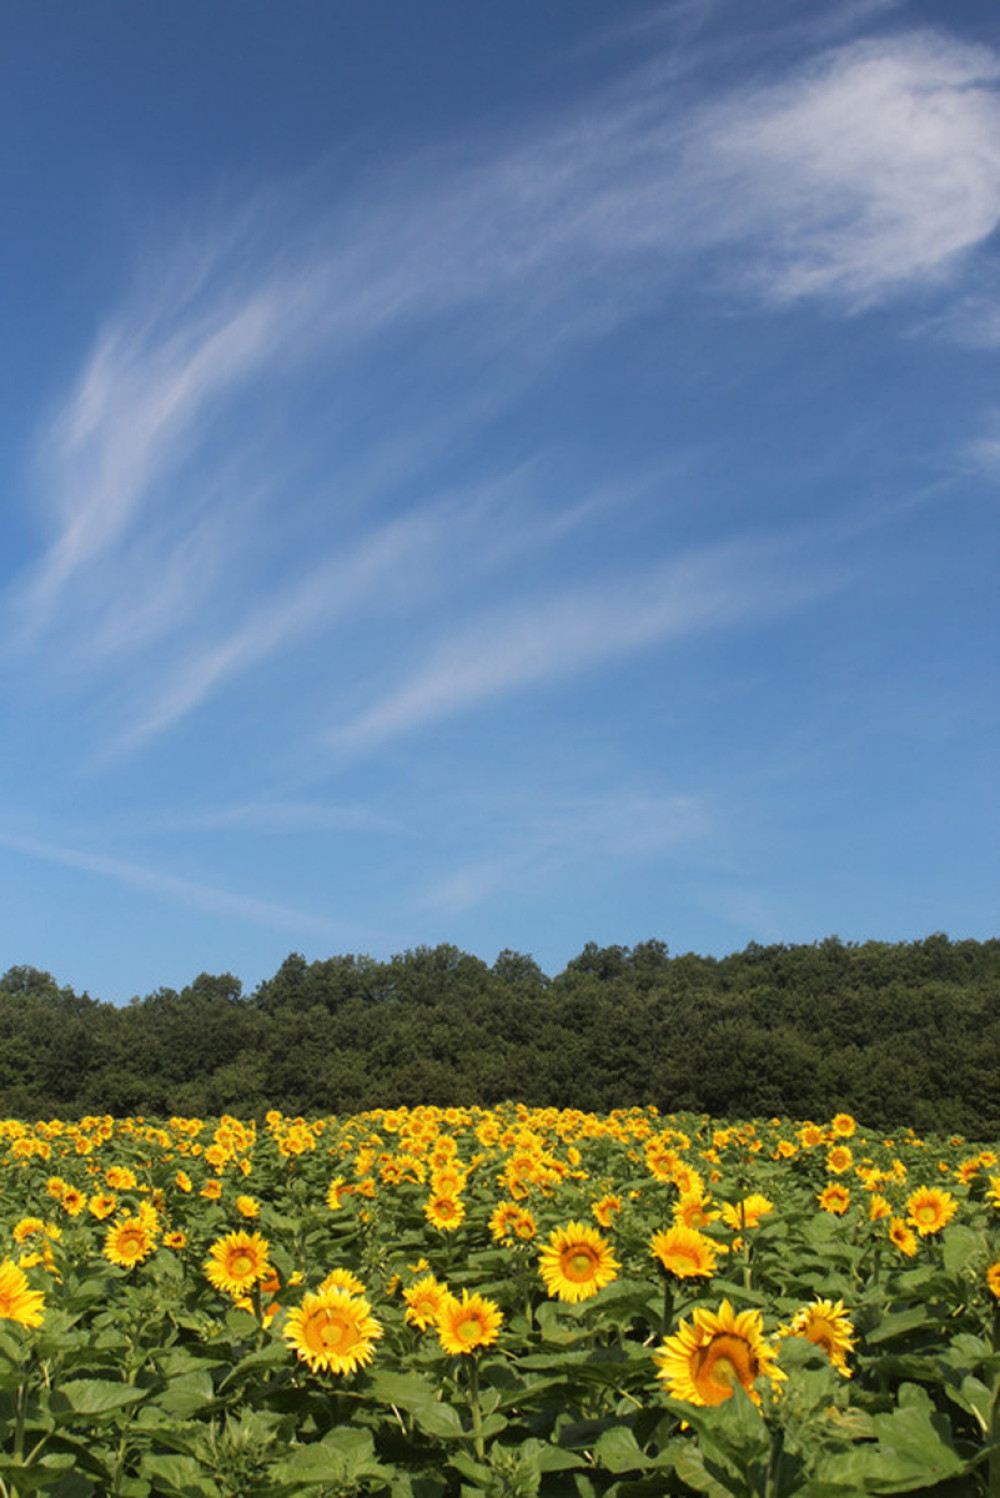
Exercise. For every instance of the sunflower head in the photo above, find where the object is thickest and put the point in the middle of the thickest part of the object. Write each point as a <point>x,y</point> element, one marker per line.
<point>463,1325</point>
<point>128,1242</point>
<point>684,1252</point>
<point>835,1198</point>
<point>576,1263</point>
<point>713,1352</point>
<point>236,1262</point>
<point>827,1325</point>
<point>333,1331</point>
<point>18,1302</point>
<point>445,1212</point>
<point>424,1299</point>
<point>928,1210</point>
<point>903,1237</point>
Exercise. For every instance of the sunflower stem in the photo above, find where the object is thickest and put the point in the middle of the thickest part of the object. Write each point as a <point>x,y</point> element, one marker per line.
<point>773,1483</point>
<point>993,1434</point>
<point>668,1306</point>
<point>477,1416</point>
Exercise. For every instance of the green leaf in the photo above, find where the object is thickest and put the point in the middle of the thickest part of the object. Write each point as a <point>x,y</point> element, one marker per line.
<point>94,1396</point>
<point>619,1451</point>
<point>179,1477</point>
<point>189,1394</point>
<point>419,1398</point>
<point>900,1324</point>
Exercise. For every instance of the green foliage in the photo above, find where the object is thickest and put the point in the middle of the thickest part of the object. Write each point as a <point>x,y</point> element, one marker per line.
<point>898,1034</point>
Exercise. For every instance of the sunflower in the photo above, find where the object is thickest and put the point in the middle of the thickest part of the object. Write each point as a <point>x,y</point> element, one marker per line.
<point>463,1325</point>
<point>839,1159</point>
<point>342,1279</point>
<point>713,1352</point>
<point>747,1213</point>
<point>929,1210</point>
<point>335,1193</point>
<point>445,1212</point>
<point>333,1330</point>
<point>73,1201</point>
<point>902,1237</point>
<point>236,1262</point>
<point>423,1301</point>
<point>248,1206</point>
<point>175,1240</point>
<point>17,1301</point>
<point>28,1227</point>
<point>684,1252</point>
<point>694,1212</point>
<point>503,1220</point>
<point>606,1208</point>
<point>577,1262</point>
<point>843,1126</point>
<point>525,1226</point>
<point>879,1206</point>
<point>834,1198</point>
<point>102,1204</point>
<point>128,1242</point>
<point>826,1324</point>
<point>993,1279</point>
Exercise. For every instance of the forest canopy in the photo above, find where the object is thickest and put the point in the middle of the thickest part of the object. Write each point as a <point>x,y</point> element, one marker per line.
<point>895,1033</point>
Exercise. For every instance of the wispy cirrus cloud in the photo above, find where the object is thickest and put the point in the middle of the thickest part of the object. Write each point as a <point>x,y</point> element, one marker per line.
<point>203,897</point>
<point>850,175</point>
<point>622,825</point>
<point>508,650</point>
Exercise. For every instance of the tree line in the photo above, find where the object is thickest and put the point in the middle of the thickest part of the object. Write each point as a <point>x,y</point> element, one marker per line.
<point>895,1033</point>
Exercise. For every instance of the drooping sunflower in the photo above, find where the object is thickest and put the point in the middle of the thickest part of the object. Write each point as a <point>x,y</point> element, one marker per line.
<point>685,1252</point>
<point>236,1262</point>
<point>713,1352</point>
<point>826,1324</point>
<point>903,1237</point>
<point>18,1302</point>
<point>128,1242</point>
<point>606,1208</point>
<point>928,1210</point>
<point>747,1213</point>
<point>577,1262</point>
<point>463,1325</point>
<point>525,1226</point>
<point>333,1331</point>
<point>503,1220</point>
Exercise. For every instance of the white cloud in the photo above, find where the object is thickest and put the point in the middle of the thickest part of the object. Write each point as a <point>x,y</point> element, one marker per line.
<point>203,897</point>
<point>509,650</point>
<point>872,169</point>
<point>625,825</point>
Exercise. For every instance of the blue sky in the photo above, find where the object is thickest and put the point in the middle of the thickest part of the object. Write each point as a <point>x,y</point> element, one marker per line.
<point>509,475</point>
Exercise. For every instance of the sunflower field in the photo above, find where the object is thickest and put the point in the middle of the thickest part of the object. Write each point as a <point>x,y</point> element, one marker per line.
<point>431,1302</point>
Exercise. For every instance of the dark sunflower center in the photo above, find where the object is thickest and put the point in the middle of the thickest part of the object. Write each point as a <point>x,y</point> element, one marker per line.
<point>579,1264</point>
